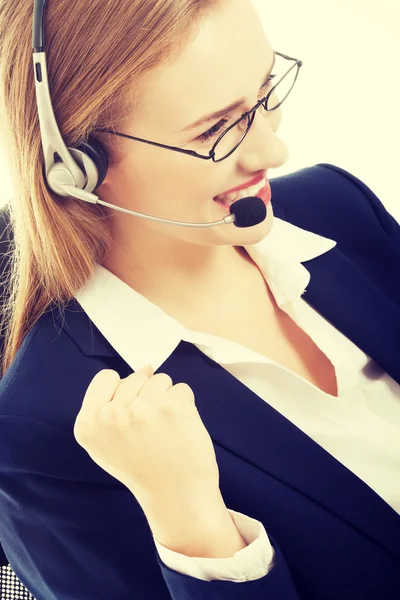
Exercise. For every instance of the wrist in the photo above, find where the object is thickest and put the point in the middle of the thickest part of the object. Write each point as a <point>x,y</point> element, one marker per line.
<point>206,530</point>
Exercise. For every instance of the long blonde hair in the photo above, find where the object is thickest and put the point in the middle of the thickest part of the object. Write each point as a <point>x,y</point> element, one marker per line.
<point>97,55</point>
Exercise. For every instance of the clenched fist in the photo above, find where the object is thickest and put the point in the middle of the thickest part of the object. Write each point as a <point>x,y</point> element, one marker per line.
<point>147,433</point>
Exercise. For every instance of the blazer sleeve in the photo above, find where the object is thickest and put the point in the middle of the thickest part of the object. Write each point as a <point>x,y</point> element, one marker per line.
<point>70,530</point>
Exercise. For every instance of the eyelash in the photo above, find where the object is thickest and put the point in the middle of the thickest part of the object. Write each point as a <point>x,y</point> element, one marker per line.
<point>207,135</point>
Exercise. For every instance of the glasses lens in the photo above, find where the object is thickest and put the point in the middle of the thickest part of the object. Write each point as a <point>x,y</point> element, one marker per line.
<point>282,89</point>
<point>234,136</point>
<point>231,139</point>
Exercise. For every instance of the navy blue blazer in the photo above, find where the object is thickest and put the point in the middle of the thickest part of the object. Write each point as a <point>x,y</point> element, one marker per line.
<point>70,530</point>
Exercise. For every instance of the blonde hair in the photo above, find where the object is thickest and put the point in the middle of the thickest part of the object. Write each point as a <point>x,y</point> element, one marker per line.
<point>97,55</point>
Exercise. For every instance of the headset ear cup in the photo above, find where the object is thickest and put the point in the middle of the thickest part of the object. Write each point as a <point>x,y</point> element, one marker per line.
<point>94,149</point>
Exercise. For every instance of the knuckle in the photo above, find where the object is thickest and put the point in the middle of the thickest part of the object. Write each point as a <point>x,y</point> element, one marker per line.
<point>163,378</point>
<point>78,431</point>
<point>166,409</point>
<point>81,424</point>
<point>140,413</point>
<point>81,432</point>
<point>123,417</point>
<point>184,391</point>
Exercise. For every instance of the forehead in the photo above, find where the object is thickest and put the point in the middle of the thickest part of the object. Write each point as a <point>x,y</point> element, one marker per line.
<point>223,62</point>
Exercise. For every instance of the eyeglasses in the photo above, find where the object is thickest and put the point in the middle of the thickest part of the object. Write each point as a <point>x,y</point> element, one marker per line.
<point>233,136</point>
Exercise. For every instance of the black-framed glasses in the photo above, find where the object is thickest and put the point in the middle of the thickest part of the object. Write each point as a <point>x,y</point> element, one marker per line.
<point>233,136</point>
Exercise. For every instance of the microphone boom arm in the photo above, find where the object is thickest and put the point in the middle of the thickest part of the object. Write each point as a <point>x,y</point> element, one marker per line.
<point>93,199</point>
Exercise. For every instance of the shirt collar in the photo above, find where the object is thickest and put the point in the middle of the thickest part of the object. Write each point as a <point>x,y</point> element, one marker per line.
<point>280,254</point>
<point>142,333</point>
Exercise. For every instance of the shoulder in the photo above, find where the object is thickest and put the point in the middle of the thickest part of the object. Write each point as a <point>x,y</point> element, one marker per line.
<point>54,365</point>
<point>324,184</point>
<point>332,202</point>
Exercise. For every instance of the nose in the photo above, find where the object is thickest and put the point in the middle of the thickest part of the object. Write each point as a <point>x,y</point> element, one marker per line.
<point>261,148</point>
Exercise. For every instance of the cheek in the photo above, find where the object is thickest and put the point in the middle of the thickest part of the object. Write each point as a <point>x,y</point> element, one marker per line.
<point>161,176</point>
<point>187,177</point>
<point>277,116</point>
<point>179,187</point>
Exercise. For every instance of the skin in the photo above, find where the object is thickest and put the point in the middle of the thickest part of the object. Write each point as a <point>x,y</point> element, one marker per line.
<point>180,267</point>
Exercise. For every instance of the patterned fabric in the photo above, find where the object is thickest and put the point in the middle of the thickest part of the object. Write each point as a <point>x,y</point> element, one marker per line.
<point>10,586</point>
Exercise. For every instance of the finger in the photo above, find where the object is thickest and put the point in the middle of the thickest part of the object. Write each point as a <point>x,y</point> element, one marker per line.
<point>100,391</point>
<point>133,388</point>
<point>157,384</point>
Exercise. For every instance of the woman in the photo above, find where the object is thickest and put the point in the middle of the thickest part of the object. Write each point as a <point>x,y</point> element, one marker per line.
<point>261,460</point>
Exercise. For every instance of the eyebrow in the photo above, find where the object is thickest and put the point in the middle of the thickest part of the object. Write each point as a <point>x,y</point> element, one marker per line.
<point>227,109</point>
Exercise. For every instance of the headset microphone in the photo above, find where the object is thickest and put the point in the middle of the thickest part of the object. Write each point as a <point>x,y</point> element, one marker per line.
<point>245,212</point>
<point>78,171</point>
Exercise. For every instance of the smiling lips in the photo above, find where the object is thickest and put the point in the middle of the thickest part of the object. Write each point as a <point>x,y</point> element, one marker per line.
<point>256,180</point>
<point>264,194</point>
<point>228,199</point>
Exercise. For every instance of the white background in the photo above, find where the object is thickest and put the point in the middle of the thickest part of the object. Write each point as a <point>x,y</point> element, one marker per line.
<point>345,106</point>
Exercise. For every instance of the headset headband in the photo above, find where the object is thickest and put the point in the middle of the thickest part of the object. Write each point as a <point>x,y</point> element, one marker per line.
<point>84,168</point>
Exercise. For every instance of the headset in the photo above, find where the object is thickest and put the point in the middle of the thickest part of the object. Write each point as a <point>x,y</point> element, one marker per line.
<point>78,171</point>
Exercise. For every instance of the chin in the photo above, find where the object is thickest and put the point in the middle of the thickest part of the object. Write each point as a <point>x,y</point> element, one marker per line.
<point>254,235</point>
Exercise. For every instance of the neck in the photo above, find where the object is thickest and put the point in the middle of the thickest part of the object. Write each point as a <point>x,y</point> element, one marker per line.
<point>178,285</point>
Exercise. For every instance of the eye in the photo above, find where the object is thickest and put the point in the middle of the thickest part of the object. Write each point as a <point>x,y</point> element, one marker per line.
<point>205,137</point>
<point>210,133</point>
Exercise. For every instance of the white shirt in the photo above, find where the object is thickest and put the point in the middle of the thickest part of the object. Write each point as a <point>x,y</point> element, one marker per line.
<point>360,428</point>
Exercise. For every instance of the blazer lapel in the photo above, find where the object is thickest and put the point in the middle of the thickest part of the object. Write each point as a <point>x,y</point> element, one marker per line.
<point>364,312</point>
<point>242,422</point>
<point>248,426</point>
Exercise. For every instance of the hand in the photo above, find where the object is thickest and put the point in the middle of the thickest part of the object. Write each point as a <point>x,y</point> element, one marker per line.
<point>147,433</point>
